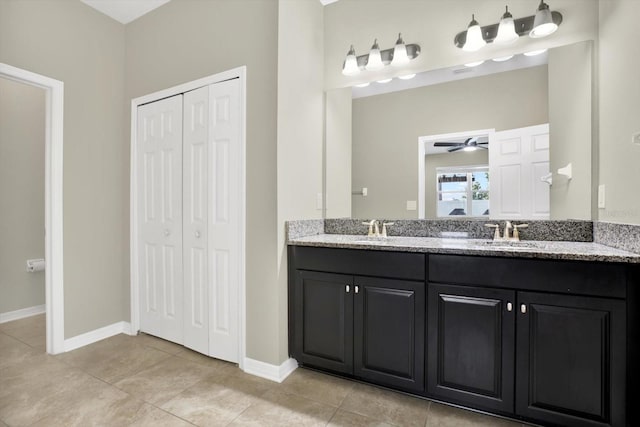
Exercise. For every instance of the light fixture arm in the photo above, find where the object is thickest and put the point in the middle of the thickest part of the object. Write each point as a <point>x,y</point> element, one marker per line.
<point>489,32</point>
<point>413,50</point>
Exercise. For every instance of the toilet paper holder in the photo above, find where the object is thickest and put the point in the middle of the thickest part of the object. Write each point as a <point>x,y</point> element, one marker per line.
<point>34,265</point>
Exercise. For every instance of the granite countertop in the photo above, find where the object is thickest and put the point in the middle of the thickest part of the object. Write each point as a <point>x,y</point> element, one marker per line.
<point>581,251</point>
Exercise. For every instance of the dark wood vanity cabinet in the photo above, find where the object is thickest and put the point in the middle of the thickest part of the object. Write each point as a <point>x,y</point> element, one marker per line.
<point>366,327</point>
<point>548,341</point>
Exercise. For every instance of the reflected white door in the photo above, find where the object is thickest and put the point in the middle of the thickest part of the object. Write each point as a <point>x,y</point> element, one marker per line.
<point>195,208</point>
<point>159,169</point>
<point>224,218</point>
<point>518,159</point>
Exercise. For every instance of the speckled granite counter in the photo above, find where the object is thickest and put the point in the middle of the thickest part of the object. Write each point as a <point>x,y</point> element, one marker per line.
<point>582,251</point>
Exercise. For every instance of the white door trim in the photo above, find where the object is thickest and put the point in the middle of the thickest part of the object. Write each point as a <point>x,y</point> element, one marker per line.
<point>422,152</point>
<point>239,73</point>
<point>54,277</point>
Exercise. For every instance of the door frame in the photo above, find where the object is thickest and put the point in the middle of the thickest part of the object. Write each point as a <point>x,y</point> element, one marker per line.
<point>53,213</point>
<point>423,141</point>
<point>239,73</point>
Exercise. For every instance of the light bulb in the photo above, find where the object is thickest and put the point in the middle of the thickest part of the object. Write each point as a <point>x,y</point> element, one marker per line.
<point>543,24</point>
<point>384,80</point>
<point>407,77</point>
<point>506,30</point>
<point>400,56</point>
<point>473,64</point>
<point>363,84</point>
<point>474,41</point>
<point>350,67</point>
<point>469,148</point>
<point>375,59</point>
<point>503,58</point>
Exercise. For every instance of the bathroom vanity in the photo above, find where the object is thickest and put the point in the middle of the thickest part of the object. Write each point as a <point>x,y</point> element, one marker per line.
<point>545,332</point>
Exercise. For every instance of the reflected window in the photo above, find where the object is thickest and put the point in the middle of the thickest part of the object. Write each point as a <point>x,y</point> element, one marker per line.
<point>462,192</point>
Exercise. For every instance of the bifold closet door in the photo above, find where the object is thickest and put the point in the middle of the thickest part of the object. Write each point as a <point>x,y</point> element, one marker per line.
<point>195,209</point>
<point>159,169</point>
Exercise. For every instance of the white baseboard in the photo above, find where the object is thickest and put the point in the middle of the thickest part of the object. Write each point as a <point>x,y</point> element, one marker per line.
<point>22,313</point>
<point>271,372</point>
<point>97,335</point>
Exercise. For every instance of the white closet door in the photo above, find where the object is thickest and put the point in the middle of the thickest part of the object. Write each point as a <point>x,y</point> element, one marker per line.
<point>518,159</point>
<point>196,184</point>
<point>159,171</point>
<point>224,218</point>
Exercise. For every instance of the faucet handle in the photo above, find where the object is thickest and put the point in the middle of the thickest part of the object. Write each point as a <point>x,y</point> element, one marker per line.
<point>384,228</point>
<point>371,224</point>
<point>496,235</point>
<point>516,233</point>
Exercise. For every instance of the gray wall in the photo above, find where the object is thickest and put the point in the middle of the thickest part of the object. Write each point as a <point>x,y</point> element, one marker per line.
<point>188,39</point>
<point>68,41</point>
<point>386,130</point>
<point>22,127</point>
<point>300,135</point>
<point>619,88</point>
<point>570,112</point>
<point>434,161</point>
<point>338,153</point>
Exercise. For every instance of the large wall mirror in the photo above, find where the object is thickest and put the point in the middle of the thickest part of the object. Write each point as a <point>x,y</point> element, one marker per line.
<point>484,142</point>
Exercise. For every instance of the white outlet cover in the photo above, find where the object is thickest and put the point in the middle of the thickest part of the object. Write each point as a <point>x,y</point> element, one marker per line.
<point>635,138</point>
<point>412,205</point>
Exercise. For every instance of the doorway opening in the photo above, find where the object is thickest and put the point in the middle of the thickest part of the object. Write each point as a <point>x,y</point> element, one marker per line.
<point>53,241</point>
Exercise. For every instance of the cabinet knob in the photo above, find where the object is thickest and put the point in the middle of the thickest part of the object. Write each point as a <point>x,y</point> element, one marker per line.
<point>509,306</point>
<point>523,308</point>
<point>167,232</point>
<point>347,288</point>
<point>197,234</point>
<point>357,289</point>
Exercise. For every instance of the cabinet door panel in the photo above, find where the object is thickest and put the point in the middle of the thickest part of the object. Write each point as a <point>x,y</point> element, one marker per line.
<point>324,320</point>
<point>389,332</point>
<point>568,348</point>
<point>471,346</point>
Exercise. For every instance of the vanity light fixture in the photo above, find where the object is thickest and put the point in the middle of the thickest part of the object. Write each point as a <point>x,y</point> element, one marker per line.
<point>543,23</point>
<point>503,58</point>
<point>363,84</point>
<point>535,52</point>
<point>350,67</point>
<point>506,29</point>
<point>377,59</point>
<point>400,56</point>
<point>407,76</point>
<point>384,81</point>
<point>474,40</point>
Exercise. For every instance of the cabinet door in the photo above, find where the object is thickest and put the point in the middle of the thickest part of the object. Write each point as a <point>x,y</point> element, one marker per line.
<point>470,346</point>
<point>324,320</point>
<point>570,359</point>
<point>389,318</point>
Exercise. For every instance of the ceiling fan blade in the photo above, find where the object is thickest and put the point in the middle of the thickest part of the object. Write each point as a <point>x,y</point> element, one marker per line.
<point>483,143</point>
<point>447,144</point>
<point>480,146</point>
<point>451,150</point>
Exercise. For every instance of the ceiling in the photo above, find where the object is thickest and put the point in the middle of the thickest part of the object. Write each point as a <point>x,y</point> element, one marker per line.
<point>125,11</point>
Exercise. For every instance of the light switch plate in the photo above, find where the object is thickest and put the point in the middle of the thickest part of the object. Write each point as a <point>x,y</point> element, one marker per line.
<point>411,205</point>
<point>635,138</point>
<point>601,196</point>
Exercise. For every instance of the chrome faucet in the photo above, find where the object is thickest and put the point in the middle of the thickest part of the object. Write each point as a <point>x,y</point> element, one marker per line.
<point>374,228</point>
<point>506,237</point>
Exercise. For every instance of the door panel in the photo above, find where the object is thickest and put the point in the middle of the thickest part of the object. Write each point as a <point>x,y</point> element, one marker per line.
<point>389,332</point>
<point>195,225</point>
<point>224,217</point>
<point>324,320</point>
<point>160,223</point>
<point>518,159</point>
<point>471,338</point>
<point>568,351</point>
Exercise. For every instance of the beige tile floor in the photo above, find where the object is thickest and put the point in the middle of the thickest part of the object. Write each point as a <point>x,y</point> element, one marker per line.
<point>145,381</point>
